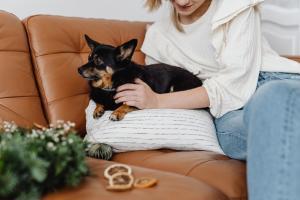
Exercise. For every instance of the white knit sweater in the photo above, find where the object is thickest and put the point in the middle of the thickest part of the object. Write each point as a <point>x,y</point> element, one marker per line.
<point>227,57</point>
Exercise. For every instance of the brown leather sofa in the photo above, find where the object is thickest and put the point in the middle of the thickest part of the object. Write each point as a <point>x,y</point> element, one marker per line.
<point>39,57</point>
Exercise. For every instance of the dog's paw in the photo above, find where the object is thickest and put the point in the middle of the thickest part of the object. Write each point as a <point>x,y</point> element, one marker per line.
<point>117,116</point>
<point>98,113</point>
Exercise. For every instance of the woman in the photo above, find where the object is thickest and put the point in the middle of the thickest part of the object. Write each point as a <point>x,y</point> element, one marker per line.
<point>221,42</point>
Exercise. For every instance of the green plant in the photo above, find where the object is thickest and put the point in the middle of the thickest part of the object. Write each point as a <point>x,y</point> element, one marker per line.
<point>36,161</point>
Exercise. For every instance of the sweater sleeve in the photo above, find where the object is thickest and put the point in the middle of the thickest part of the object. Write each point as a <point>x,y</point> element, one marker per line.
<point>149,60</point>
<point>153,45</point>
<point>240,62</point>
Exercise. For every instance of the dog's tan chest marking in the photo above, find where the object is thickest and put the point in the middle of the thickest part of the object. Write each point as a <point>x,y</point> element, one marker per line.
<point>107,83</point>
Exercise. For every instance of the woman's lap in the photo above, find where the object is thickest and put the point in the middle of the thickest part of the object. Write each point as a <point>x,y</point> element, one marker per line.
<point>231,128</point>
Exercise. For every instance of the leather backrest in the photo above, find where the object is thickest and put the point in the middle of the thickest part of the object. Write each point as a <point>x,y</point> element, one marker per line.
<point>58,48</point>
<point>19,97</point>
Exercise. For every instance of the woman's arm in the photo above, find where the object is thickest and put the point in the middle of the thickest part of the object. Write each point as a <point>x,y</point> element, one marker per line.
<point>141,96</point>
<point>188,99</point>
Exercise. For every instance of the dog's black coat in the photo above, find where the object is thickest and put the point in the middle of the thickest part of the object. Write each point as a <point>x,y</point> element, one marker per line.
<point>160,77</point>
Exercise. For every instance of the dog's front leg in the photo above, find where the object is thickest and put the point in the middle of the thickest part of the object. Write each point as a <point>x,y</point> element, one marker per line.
<point>120,112</point>
<point>99,111</point>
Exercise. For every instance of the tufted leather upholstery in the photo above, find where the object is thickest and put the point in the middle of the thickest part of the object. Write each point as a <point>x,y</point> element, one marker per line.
<point>19,97</point>
<point>57,49</point>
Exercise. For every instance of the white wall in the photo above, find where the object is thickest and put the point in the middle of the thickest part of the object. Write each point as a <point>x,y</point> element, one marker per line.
<point>113,9</point>
<point>281,25</point>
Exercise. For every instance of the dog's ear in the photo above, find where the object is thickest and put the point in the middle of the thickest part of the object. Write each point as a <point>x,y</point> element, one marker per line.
<point>91,43</point>
<point>126,50</point>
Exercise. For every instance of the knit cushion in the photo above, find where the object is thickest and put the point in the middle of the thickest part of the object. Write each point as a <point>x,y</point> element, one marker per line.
<point>148,129</point>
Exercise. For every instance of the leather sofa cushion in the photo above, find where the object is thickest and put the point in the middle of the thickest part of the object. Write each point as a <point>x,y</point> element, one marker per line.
<point>58,49</point>
<point>221,172</point>
<point>19,97</point>
<point>170,186</point>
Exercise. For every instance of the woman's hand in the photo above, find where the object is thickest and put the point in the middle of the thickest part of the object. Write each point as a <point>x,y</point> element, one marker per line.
<point>139,95</point>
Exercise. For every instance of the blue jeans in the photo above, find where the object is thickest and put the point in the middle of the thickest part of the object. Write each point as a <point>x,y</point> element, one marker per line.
<point>266,133</point>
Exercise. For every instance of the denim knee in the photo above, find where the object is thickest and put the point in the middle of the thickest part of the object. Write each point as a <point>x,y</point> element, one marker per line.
<point>272,119</point>
<point>268,100</point>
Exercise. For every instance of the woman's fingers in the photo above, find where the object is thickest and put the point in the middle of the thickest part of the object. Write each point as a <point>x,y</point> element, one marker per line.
<point>139,95</point>
<point>126,93</point>
<point>127,98</point>
<point>129,86</point>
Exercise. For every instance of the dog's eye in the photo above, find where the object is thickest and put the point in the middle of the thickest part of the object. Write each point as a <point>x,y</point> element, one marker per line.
<point>97,60</point>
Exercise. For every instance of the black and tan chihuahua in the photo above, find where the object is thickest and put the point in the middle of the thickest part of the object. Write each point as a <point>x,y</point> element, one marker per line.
<point>109,67</point>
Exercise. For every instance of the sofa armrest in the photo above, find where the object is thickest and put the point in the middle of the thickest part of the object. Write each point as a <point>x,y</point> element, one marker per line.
<point>296,58</point>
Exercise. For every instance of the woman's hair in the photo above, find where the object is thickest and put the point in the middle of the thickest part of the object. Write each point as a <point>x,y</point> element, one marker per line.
<point>155,4</point>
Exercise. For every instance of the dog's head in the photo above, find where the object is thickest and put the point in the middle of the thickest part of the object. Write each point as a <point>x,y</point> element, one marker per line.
<point>104,61</point>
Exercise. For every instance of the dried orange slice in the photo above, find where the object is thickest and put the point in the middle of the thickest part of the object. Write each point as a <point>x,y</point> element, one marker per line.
<point>120,181</point>
<point>116,168</point>
<point>145,182</point>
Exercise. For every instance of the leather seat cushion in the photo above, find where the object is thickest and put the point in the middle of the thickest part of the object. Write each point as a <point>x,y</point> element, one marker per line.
<point>221,172</point>
<point>170,186</point>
